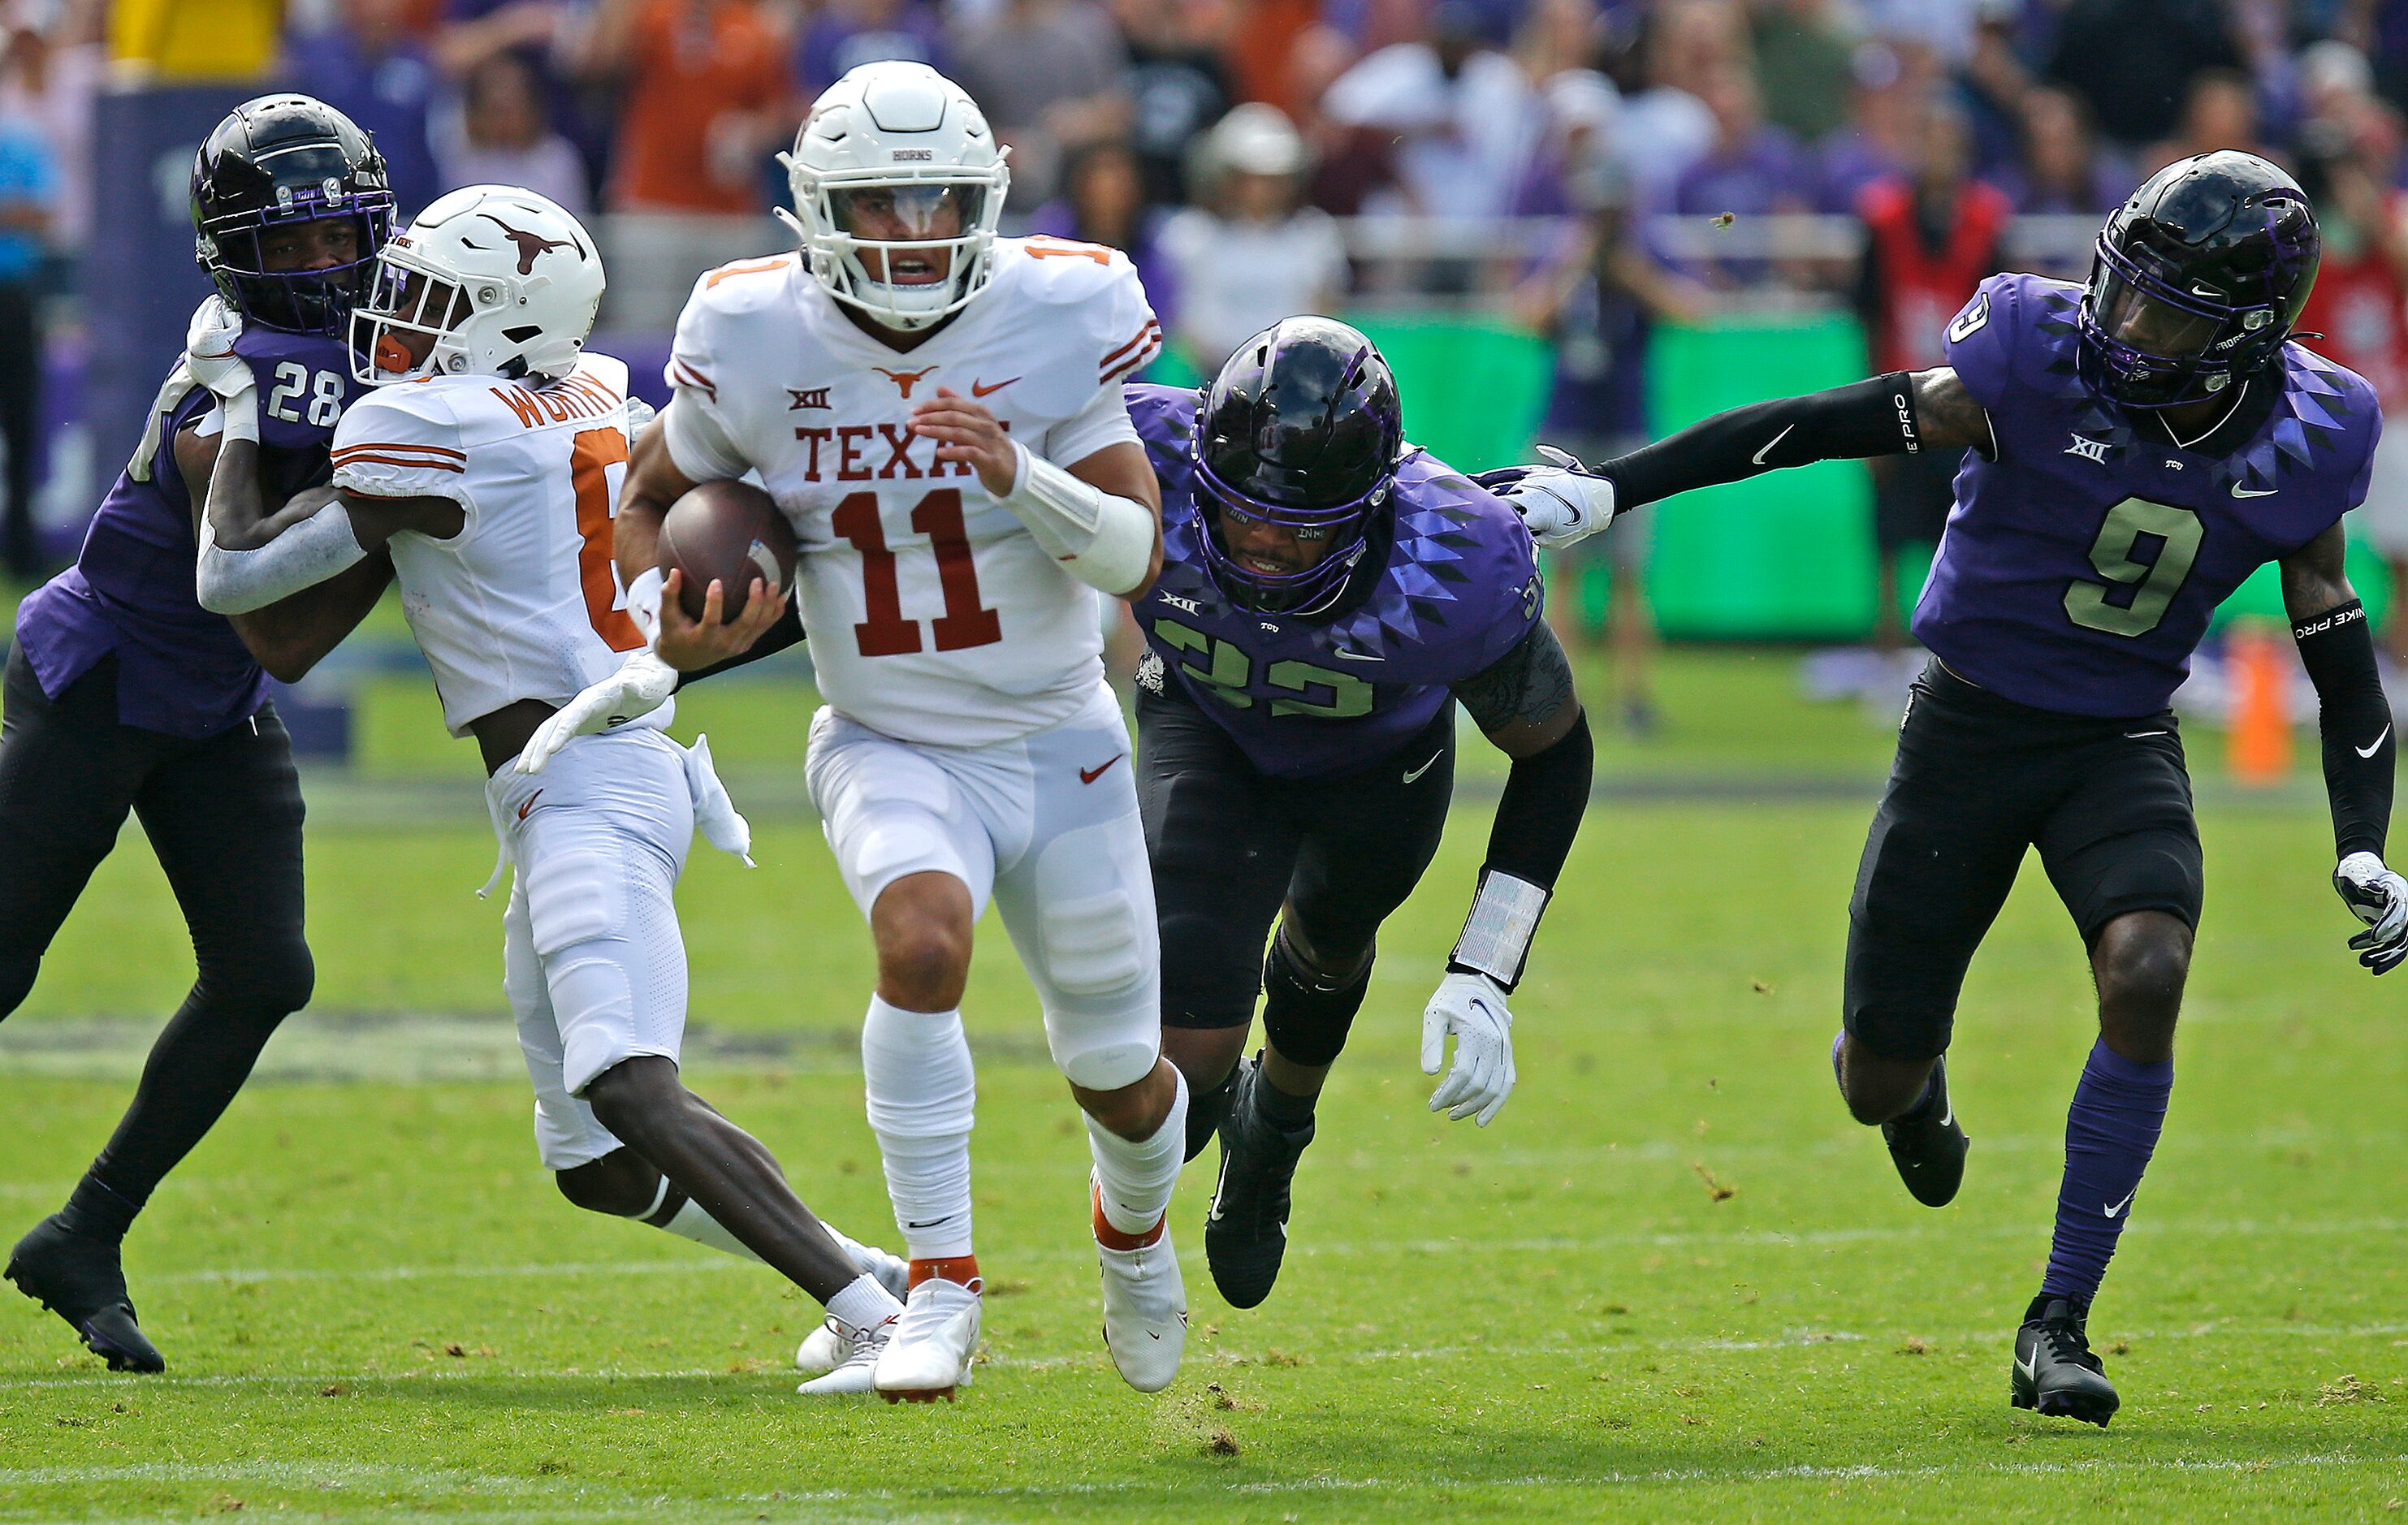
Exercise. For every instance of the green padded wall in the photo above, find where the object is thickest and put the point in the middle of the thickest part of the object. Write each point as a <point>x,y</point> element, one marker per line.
<point>1785,556</point>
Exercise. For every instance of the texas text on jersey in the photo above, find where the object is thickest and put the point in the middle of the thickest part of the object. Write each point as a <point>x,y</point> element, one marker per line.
<point>934,615</point>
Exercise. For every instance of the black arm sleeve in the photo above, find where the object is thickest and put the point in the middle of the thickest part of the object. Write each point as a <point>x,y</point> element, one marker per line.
<point>1868,418</point>
<point>1545,796</point>
<point>2339,653</point>
<point>786,633</point>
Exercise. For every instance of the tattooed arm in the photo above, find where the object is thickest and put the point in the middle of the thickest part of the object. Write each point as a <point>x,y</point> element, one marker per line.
<point>1526,704</point>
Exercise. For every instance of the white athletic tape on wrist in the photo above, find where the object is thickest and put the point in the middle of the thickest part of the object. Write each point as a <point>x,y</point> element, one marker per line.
<point>644,603</point>
<point>1497,934</point>
<point>303,556</point>
<point>241,412</point>
<point>1101,538</point>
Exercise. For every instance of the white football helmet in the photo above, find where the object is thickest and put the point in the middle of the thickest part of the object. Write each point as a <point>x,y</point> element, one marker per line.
<point>899,145</point>
<point>502,280</point>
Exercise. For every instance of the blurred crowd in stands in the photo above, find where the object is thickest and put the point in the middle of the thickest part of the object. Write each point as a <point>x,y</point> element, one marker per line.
<point>1583,168</point>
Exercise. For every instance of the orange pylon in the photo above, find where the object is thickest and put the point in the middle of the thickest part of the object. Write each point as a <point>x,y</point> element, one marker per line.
<point>2259,749</point>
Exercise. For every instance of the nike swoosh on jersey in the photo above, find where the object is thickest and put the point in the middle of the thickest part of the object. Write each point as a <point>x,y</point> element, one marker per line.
<point>1427,766</point>
<point>2241,491</point>
<point>2368,750</point>
<point>979,389</point>
<point>1088,775</point>
<point>1774,440</point>
<point>1354,656</point>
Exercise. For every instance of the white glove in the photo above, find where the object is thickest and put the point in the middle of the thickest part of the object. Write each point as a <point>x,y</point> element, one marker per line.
<point>1562,504</point>
<point>1472,1008</point>
<point>642,684</point>
<point>2379,898</point>
<point>208,350</point>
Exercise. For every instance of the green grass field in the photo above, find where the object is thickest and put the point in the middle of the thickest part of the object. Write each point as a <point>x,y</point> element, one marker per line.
<point>1673,1281</point>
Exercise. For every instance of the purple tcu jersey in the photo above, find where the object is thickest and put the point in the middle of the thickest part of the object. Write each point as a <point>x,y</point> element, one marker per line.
<point>2083,562</point>
<point>1310,698</point>
<point>179,668</point>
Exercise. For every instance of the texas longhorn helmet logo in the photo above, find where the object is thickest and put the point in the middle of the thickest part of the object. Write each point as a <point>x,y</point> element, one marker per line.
<point>532,244</point>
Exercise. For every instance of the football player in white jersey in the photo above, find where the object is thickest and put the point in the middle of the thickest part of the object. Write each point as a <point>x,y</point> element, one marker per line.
<point>937,412</point>
<point>486,464</point>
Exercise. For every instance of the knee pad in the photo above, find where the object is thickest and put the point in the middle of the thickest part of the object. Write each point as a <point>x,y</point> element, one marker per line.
<point>1097,944</point>
<point>1304,1019</point>
<point>594,1003</point>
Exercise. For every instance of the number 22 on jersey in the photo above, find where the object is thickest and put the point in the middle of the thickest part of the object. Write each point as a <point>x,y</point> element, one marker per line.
<point>965,623</point>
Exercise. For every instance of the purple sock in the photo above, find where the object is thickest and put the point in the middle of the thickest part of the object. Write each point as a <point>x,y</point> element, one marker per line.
<point>2111,1130</point>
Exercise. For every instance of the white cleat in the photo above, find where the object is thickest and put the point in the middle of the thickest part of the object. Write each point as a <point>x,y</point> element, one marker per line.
<point>825,1349</point>
<point>1145,1308</point>
<point>854,1372</point>
<point>929,1353</point>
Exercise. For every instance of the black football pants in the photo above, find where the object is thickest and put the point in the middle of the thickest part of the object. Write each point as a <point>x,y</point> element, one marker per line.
<point>225,817</point>
<point>1231,846</point>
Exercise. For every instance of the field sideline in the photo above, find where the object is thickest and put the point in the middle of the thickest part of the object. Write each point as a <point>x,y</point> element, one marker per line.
<point>1673,1280</point>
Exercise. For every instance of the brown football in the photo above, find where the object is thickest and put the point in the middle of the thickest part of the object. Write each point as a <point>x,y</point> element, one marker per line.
<point>731,531</point>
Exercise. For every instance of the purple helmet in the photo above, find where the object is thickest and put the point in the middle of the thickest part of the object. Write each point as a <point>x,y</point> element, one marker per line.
<point>2196,281</point>
<point>272,163</point>
<point>1302,429</point>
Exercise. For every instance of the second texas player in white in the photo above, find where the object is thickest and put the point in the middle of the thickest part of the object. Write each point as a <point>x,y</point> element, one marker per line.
<point>485,464</point>
<point>937,412</point>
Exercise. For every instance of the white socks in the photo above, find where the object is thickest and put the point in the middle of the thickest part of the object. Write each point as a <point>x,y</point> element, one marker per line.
<point>921,1097</point>
<point>862,1304</point>
<point>1136,1178</point>
<point>691,1222</point>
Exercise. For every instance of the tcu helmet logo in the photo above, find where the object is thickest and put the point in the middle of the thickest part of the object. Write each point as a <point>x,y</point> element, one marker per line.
<point>904,380</point>
<point>531,244</point>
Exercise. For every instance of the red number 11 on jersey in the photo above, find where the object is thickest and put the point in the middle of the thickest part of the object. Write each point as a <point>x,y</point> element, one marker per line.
<point>966,621</point>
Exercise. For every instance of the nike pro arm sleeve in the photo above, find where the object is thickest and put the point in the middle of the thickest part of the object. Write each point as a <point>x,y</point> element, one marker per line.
<point>2338,650</point>
<point>1868,418</point>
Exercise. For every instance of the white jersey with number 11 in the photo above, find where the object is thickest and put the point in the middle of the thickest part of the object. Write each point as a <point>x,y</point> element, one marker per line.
<point>934,617</point>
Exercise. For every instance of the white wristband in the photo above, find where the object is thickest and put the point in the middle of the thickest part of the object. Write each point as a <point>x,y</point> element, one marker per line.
<point>644,603</point>
<point>241,412</point>
<point>1102,539</point>
<point>303,556</point>
<point>1497,934</point>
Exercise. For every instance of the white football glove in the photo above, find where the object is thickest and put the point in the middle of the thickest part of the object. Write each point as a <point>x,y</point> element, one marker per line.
<point>2379,898</point>
<point>208,349</point>
<point>642,684</point>
<point>1472,1008</point>
<point>1561,504</point>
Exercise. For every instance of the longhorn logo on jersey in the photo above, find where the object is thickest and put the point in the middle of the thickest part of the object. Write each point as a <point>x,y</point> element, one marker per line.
<point>904,380</point>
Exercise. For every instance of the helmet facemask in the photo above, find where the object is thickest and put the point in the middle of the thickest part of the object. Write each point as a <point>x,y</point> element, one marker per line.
<point>404,300</point>
<point>318,301</point>
<point>1347,526</point>
<point>864,229</point>
<point>2148,344</point>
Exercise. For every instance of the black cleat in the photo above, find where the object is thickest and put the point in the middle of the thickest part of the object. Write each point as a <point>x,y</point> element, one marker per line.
<point>2055,1371</point>
<point>1928,1146</point>
<point>78,1279</point>
<point>1245,1232</point>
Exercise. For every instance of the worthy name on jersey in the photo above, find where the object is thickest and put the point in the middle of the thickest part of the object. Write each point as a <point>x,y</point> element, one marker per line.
<point>523,603</point>
<point>933,616</point>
